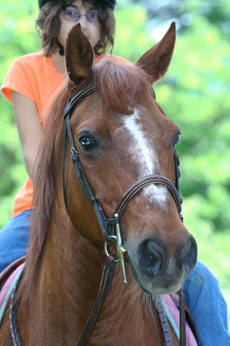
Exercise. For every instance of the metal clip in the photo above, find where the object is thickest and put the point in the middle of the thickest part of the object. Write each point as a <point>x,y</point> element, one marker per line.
<point>121,250</point>
<point>74,154</point>
<point>119,247</point>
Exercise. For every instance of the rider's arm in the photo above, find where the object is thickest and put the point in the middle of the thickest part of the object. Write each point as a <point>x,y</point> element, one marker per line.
<point>29,129</point>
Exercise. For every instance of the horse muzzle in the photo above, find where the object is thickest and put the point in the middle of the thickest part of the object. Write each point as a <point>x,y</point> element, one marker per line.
<point>159,272</point>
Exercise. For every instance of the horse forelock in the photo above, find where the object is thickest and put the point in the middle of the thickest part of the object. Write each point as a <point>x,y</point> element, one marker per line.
<point>121,84</point>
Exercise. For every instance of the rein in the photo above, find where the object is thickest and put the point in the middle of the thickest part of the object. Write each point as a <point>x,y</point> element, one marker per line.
<point>110,228</point>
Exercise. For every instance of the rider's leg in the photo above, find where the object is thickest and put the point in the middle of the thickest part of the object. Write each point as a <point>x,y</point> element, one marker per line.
<point>14,239</point>
<point>207,306</point>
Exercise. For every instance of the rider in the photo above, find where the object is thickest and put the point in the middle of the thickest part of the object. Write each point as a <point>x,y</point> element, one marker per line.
<point>29,85</point>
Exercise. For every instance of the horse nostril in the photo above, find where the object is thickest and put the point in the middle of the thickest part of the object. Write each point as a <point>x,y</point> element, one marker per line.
<point>151,256</point>
<point>187,256</point>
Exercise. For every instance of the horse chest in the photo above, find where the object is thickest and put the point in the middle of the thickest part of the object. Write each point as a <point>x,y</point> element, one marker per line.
<point>131,327</point>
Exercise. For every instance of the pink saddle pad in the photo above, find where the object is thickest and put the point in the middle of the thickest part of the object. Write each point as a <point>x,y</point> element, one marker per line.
<point>173,308</point>
<point>7,288</point>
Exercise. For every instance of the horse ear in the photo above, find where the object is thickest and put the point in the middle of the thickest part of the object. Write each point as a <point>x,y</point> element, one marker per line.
<point>156,60</point>
<point>79,55</point>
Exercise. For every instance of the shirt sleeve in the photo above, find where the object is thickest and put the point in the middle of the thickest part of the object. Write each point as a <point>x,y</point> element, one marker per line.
<point>19,79</point>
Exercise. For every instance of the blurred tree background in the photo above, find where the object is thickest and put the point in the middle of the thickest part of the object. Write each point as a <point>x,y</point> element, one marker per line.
<point>194,93</point>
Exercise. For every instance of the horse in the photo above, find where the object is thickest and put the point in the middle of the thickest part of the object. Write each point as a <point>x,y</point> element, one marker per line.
<point>122,207</point>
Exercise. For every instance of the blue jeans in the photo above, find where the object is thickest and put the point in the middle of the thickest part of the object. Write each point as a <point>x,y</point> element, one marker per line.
<point>201,289</point>
<point>14,237</point>
<point>207,306</point>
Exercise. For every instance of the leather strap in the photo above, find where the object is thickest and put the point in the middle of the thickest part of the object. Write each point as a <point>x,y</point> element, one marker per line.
<point>188,316</point>
<point>10,269</point>
<point>13,315</point>
<point>140,184</point>
<point>163,319</point>
<point>182,318</point>
<point>78,98</point>
<point>104,286</point>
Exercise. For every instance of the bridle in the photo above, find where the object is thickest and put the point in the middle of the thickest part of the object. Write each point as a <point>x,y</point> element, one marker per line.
<point>110,228</point>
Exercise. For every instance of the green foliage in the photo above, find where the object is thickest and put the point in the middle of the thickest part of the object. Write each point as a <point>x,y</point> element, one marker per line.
<point>193,94</point>
<point>131,38</point>
<point>198,82</point>
<point>17,37</point>
<point>213,248</point>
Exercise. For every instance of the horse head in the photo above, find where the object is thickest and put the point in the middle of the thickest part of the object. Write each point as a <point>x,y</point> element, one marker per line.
<point>122,136</point>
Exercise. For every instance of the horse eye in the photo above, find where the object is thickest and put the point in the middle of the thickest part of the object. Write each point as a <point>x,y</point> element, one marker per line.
<point>87,142</point>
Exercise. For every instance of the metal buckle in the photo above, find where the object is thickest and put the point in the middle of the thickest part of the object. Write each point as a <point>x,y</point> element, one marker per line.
<point>121,250</point>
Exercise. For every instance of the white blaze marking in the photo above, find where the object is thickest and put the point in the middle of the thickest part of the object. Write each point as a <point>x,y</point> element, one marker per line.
<point>145,156</point>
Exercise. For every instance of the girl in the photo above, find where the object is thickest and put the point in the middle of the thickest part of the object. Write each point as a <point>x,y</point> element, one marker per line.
<point>29,85</point>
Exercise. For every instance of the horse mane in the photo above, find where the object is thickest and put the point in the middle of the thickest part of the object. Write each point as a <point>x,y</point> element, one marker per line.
<point>121,86</point>
<point>44,189</point>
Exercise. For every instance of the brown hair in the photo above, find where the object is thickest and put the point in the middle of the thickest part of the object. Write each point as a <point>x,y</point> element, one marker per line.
<point>48,25</point>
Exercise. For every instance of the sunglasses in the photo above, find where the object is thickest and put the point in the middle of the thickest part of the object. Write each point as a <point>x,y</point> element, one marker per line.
<point>74,15</point>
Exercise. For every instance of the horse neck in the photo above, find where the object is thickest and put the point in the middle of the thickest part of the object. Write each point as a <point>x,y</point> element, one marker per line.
<point>67,284</point>
<point>66,288</point>
<point>128,316</point>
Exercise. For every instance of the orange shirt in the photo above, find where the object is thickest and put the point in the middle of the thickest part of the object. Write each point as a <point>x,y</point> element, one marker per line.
<point>35,76</point>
